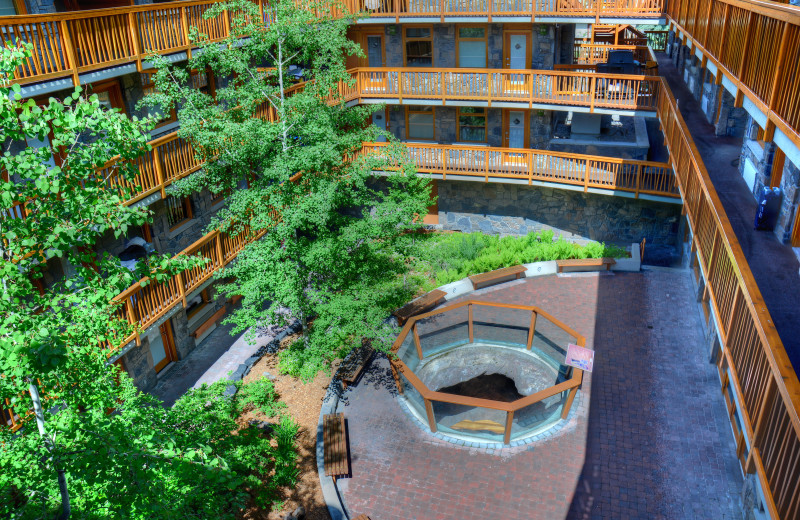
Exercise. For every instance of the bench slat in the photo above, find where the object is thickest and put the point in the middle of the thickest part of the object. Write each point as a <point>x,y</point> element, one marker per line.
<point>497,275</point>
<point>334,442</point>
<point>421,304</point>
<point>585,262</point>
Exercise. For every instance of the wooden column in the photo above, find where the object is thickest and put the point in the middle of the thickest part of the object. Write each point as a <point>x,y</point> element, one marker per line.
<point>471,336</point>
<point>416,340</point>
<point>431,418</point>
<point>532,330</point>
<point>509,423</point>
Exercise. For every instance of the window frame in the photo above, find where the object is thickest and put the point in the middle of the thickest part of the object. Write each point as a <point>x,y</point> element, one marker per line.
<point>114,89</point>
<point>410,110</point>
<point>186,203</point>
<point>407,40</point>
<point>148,87</point>
<point>485,40</point>
<point>19,7</point>
<point>485,125</point>
<point>212,86</point>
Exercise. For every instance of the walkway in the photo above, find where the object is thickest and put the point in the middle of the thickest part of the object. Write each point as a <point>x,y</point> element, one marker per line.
<point>650,438</point>
<point>773,264</point>
<point>213,359</point>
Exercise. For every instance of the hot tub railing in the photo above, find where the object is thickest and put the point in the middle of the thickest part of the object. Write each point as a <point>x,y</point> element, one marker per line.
<point>469,322</point>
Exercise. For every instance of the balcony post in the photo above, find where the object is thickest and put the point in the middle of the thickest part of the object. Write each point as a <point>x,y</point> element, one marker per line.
<point>638,179</point>
<point>69,49</point>
<point>586,176</point>
<point>218,247</point>
<point>159,171</point>
<point>134,32</point>
<point>185,23</point>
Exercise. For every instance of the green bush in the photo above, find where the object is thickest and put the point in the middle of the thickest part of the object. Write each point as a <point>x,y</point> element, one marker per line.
<point>451,257</point>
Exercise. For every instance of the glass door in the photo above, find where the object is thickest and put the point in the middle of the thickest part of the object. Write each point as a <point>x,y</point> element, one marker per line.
<point>162,348</point>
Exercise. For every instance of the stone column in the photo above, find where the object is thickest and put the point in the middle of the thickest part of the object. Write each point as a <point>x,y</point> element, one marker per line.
<point>710,96</point>
<point>790,185</point>
<point>725,111</point>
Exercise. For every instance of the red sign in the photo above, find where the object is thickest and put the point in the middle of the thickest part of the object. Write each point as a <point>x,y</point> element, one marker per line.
<point>580,357</point>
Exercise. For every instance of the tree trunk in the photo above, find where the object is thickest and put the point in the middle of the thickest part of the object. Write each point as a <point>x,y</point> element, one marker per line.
<point>62,474</point>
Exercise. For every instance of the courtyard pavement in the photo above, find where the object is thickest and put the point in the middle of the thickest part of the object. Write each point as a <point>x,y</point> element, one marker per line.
<point>774,265</point>
<point>650,437</point>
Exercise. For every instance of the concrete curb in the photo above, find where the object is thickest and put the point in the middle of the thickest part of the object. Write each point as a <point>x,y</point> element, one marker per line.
<point>244,368</point>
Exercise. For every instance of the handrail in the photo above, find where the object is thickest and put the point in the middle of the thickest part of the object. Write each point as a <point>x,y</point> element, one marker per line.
<point>429,396</point>
<point>527,8</point>
<point>72,43</point>
<point>752,351</point>
<point>755,45</point>
<point>638,177</point>
<point>593,53</point>
<point>551,87</point>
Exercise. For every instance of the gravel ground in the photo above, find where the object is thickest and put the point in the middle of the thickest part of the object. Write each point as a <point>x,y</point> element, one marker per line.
<point>303,401</point>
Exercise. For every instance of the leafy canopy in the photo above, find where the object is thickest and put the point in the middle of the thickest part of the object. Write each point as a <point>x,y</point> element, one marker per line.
<point>333,233</point>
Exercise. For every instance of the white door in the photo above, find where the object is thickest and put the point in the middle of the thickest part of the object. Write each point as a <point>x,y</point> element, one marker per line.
<point>516,129</point>
<point>379,120</point>
<point>518,51</point>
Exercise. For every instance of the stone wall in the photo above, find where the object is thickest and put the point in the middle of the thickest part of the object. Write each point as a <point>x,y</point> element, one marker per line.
<point>543,45</point>
<point>790,185</point>
<point>511,209</point>
<point>446,126</point>
<point>759,154</point>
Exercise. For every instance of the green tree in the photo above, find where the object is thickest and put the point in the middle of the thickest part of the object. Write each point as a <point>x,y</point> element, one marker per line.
<point>334,244</point>
<point>73,457</point>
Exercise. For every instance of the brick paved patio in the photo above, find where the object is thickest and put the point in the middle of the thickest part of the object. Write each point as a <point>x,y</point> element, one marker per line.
<point>650,438</point>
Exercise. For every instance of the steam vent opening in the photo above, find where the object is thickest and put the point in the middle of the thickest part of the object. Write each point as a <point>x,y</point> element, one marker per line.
<point>496,387</point>
<point>487,372</point>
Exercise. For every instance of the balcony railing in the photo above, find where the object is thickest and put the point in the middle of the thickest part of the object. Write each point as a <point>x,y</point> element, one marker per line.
<point>519,8</point>
<point>69,44</point>
<point>637,177</point>
<point>526,87</point>
<point>594,53</point>
<point>753,359</point>
<point>756,45</point>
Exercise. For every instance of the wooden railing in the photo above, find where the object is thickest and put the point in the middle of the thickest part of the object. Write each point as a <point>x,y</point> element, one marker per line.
<point>753,360</point>
<point>68,44</point>
<point>657,40</point>
<point>638,177</point>
<point>592,54</point>
<point>522,8</point>
<point>756,45</point>
<point>404,351</point>
<point>145,302</point>
<point>529,87</point>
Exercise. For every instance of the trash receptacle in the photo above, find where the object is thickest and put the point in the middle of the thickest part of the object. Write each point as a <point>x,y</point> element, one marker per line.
<point>769,206</point>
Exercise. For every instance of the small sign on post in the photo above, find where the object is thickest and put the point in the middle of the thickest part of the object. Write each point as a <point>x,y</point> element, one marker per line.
<point>580,357</point>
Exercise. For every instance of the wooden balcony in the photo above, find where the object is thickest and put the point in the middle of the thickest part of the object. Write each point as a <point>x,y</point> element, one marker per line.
<point>594,53</point>
<point>753,360</point>
<point>542,168</point>
<point>66,45</point>
<point>503,10</point>
<point>755,47</point>
<point>505,87</point>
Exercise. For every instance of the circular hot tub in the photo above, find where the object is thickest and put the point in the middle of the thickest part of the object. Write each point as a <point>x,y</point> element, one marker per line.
<point>486,372</point>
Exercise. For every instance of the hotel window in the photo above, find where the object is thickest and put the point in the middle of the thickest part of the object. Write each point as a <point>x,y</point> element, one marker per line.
<point>419,123</point>
<point>109,95</point>
<point>179,210</point>
<point>418,46</point>
<point>203,80</point>
<point>150,88</point>
<point>472,124</point>
<point>12,7</point>
<point>472,47</point>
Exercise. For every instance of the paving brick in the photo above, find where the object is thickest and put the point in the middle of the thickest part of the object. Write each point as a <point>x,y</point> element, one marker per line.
<point>648,439</point>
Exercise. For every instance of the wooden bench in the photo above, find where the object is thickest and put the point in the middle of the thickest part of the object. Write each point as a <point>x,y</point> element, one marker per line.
<point>210,322</point>
<point>585,262</point>
<point>420,305</point>
<point>362,517</point>
<point>354,364</point>
<point>334,444</point>
<point>497,276</point>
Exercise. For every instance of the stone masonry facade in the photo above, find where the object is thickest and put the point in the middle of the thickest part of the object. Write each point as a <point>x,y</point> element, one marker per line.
<point>511,209</point>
